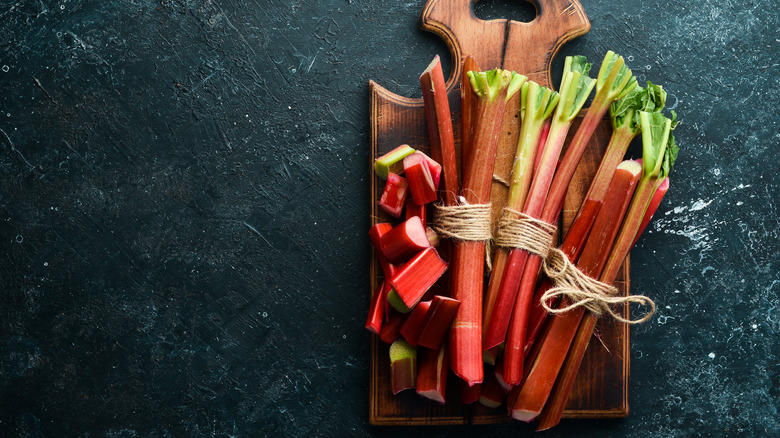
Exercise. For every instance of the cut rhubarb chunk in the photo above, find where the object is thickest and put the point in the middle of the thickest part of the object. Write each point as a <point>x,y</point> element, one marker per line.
<point>437,321</point>
<point>414,323</point>
<point>404,240</point>
<point>418,174</point>
<point>412,209</point>
<point>394,195</point>
<point>376,311</point>
<point>392,162</point>
<point>403,366</point>
<point>432,373</point>
<point>391,329</point>
<point>418,275</point>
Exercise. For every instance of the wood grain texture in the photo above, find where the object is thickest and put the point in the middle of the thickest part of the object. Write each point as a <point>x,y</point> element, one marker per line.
<point>601,388</point>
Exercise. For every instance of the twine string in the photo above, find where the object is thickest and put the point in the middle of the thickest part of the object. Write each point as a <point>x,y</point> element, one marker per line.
<point>584,291</point>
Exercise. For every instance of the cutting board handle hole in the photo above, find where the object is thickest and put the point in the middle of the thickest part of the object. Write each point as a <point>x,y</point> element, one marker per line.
<point>523,11</point>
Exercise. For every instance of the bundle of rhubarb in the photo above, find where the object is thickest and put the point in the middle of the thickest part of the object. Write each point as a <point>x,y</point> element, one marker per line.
<point>460,321</point>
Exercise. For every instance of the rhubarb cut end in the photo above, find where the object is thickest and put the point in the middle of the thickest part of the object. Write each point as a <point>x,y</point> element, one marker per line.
<point>396,302</point>
<point>392,162</point>
<point>523,415</point>
<point>434,395</point>
<point>489,403</point>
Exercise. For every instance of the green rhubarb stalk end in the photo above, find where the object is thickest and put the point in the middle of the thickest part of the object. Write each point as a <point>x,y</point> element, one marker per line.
<point>659,149</point>
<point>490,84</point>
<point>392,161</point>
<point>575,88</point>
<point>615,80</point>
<point>624,113</point>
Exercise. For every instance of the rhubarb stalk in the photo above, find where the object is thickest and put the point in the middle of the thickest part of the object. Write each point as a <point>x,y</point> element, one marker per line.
<point>537,105</point>
<point>575,89</point>
<point>492,89</point>
<point>440,135</point>
<point>659,151</point>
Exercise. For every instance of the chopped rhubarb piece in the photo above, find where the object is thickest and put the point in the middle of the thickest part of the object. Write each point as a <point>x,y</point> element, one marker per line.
<point>418,174</point>
<point>403,366</point>
<point>418,275</point>
<point>470,394</point>
<point>435,169</point>
<point>394,195</point>
<point>391,329</point>
<point>433,238</point>
<point>493,393</point>
<point>415,322</point>
<point>489,356</point>
<point>404,240</point>
<point>412,209</point>
<point>437,321</point>
<point>392,162</point>
<point>432,373</point>
<point>376,311</point>
<point>375,234</point>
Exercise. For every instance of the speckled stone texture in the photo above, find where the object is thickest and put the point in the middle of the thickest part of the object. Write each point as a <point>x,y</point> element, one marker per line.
<point>184,205</point>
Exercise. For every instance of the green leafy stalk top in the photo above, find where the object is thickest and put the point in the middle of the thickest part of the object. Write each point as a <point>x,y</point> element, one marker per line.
<point>575,88</point>
<point>490,84</point>
<point>625,112</point>
<point>659,150</point>
<point>538,102</point>
<point>615,80</point>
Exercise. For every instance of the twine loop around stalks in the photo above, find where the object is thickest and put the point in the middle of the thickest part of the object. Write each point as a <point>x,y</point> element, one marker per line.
<point>469,222</point>
<point>584,291</point>
<point>466,222</point>
<point>518,230</point>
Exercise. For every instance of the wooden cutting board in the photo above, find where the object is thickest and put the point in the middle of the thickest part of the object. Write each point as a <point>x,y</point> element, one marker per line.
<point>601,388</point>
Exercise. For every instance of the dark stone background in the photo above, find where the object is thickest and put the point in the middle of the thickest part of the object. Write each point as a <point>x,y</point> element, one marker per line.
<point>184,205</point>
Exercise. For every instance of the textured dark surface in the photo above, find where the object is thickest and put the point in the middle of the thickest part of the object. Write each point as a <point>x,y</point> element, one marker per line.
<point>184,205</point>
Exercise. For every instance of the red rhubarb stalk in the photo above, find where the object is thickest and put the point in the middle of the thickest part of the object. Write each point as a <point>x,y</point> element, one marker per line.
<point>659,151</point>
<point>492,89</point>
<point>655,201</point>
<point>575,89</point>
<point>432,373</point>
<point>536,388</point>
<point>537,105</point>
<point>440,134</point>
<point>493,394</point>
<point>468,103</point>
